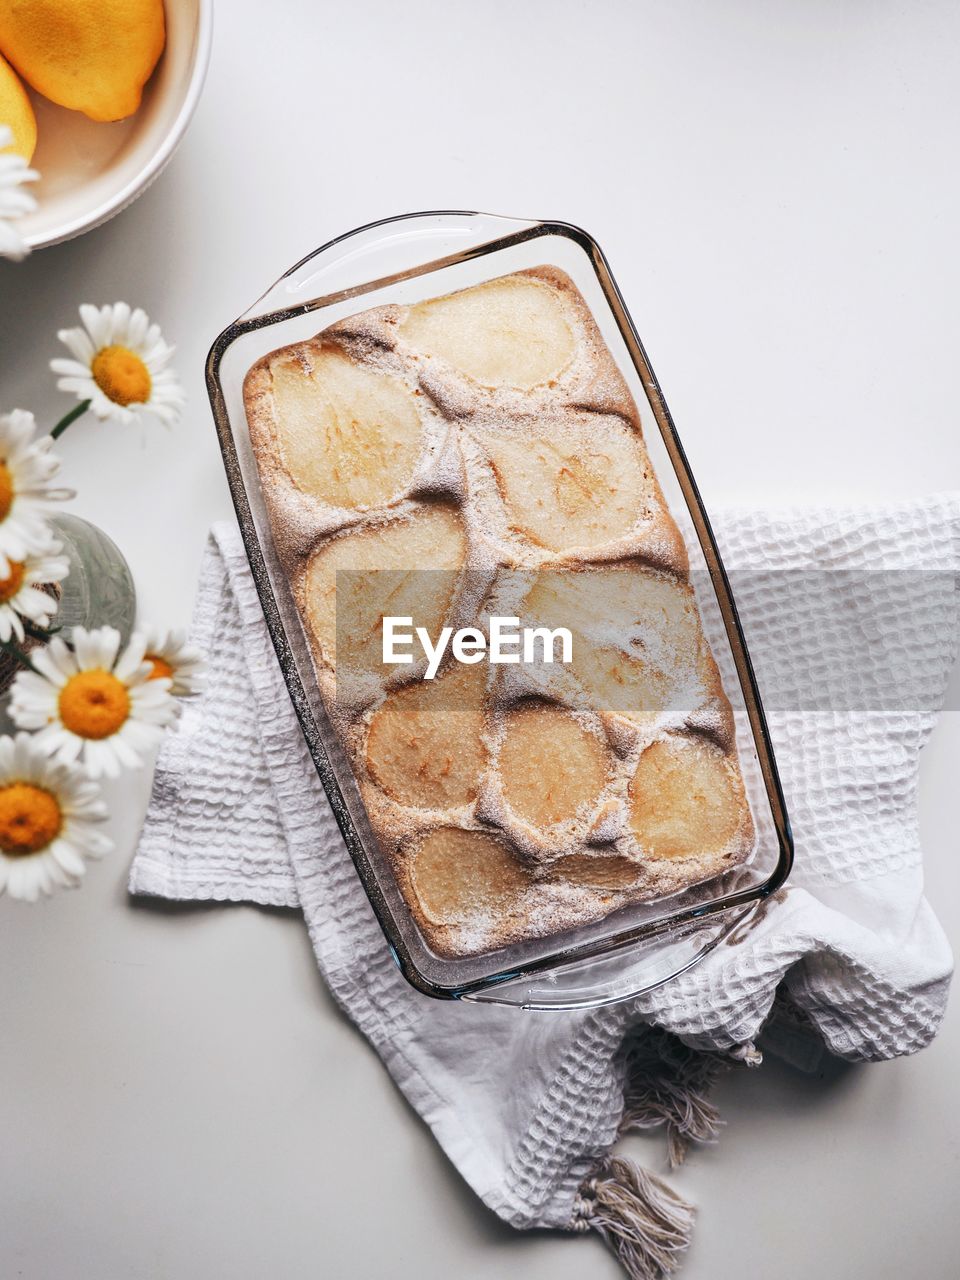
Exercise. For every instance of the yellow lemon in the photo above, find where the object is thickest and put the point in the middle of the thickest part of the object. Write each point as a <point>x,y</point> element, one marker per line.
<point>93,56</point>
<point>16,111</point>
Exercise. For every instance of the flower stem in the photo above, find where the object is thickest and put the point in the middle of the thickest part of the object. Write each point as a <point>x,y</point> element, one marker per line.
<point>17,654</point>
<point>76,412</point>
<point>43,634</point>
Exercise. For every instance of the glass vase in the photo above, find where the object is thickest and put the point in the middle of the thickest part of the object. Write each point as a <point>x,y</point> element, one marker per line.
<point>99,590</point>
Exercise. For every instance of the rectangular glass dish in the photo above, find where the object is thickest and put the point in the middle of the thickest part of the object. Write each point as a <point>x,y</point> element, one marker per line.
<point>401,263</point>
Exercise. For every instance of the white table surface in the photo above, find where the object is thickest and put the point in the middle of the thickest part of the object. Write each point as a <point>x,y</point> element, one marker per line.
<point>775,184</point>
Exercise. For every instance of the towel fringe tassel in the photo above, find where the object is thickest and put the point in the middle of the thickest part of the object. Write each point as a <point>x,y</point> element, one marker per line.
<point>668,1083</point>
<point>642,1219</point>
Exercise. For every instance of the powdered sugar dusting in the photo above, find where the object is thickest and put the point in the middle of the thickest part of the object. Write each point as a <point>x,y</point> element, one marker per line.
<point>495,452</point>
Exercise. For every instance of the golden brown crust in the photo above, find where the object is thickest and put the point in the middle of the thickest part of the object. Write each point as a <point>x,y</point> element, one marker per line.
<point>522,472</point>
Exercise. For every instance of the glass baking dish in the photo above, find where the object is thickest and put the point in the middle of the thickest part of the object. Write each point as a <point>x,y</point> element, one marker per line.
<point>406,260</point>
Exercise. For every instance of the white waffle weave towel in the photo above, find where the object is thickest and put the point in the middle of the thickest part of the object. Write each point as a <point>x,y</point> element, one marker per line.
<point>838,606</point>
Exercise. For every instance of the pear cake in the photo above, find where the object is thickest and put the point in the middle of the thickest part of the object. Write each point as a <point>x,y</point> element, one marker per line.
<point>474,455</point>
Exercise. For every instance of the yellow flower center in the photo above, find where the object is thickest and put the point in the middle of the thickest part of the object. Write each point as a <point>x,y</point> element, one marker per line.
<point>11,584</point>
<point>6,490</point>
<point>94,704</point>
<point>161,668</point>
<point>30,818</point>
<point>121,375</point>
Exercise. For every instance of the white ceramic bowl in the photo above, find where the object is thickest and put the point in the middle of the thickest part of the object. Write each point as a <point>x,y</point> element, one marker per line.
<point>90,171</point>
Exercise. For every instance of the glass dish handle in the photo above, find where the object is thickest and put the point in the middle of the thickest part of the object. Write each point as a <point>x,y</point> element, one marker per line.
<point>384,249</point>
<point>616,976</point>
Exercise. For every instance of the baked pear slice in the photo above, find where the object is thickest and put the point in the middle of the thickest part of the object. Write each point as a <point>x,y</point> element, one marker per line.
<point>459,876</point>
<point>512,332</point>
<point>550,765</point>
<point>637,641</point>
<point>406,568</point>
<point>604,873</point>
<point>584,484</point>
<point>687,800</point>
<point>347,434</point>
<point>424,745</point>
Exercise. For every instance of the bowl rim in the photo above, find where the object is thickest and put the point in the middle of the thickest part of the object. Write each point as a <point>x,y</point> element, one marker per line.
<point>155,164</point>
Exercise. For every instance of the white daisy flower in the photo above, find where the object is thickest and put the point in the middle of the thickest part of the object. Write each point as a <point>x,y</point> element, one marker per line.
<point>26,467</point>
<point>20,596</point>
<point>14,201</point>
<point>173,658</point>
<point>48,817</point>
<point>92,702</point>
<point>120,365</point>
